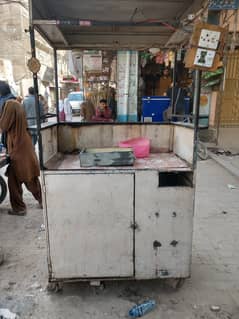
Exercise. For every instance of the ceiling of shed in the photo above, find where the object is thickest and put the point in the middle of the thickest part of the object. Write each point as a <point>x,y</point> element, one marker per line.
<point>132,24</point>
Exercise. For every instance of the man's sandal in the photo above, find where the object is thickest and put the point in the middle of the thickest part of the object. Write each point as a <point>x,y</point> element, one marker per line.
<point>19,213</point>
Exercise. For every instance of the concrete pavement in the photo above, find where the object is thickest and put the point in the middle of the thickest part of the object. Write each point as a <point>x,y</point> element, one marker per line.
<point>215,266</point>
<point>231,163</point>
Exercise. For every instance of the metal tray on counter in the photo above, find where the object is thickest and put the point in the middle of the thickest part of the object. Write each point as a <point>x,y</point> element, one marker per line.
<point>107,157</point>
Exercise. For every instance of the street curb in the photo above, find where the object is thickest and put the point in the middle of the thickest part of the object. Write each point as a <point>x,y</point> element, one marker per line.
<point>230,168</point>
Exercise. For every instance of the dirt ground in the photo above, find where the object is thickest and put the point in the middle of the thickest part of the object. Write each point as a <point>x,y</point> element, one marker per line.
<point>215,267</point>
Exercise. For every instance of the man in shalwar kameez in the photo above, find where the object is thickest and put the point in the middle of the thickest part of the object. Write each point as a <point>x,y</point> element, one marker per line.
<point>24,166</point>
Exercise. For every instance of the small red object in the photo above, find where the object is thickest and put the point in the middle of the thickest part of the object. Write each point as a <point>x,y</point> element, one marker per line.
<point>62,116</point>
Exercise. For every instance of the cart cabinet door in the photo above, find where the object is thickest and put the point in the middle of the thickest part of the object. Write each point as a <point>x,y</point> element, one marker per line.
<point>89,217</point>
<point>164,219</point>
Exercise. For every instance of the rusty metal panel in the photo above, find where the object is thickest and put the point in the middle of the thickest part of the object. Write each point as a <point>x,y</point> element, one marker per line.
<point>230,98</point>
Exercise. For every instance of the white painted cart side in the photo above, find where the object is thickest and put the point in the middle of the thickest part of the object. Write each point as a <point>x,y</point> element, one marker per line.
<point>89,217</point>
<point>163,238</point>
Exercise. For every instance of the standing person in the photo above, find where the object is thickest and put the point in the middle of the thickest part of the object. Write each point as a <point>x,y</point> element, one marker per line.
<point>103,113</point>
<point>45,106</point>
<point>23,167</point>
<point>5,95</point>
<point>87,111</point>
<point>62,115</point>
<point>19,98</point>
<point>30,109</point>
<point>67,110</point>
<point>163,84</point>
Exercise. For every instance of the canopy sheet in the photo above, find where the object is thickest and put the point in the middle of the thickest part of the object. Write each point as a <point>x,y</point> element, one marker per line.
<point>132,24</point>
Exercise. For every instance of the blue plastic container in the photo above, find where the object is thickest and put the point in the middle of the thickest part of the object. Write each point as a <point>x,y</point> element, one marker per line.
<point>154,107</point>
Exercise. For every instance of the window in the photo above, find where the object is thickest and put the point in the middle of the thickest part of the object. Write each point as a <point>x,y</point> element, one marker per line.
<point>75,97</point>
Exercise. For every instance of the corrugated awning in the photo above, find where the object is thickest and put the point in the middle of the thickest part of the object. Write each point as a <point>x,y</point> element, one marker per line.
<point>115,24</point>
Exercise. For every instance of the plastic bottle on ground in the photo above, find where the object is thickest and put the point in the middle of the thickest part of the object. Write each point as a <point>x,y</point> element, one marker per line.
<point>142,309</point>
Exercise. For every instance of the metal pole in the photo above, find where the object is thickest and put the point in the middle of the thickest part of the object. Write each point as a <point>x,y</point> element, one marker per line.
<point>196,106</point>
<point>174,82</point>
<point>214,18</point>
<point>82,76</point>
<point>56,85</point>
<point>37,102</point>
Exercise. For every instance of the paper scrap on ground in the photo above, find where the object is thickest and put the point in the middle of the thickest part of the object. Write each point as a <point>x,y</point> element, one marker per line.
<point>215,308</point>
<point>6,314</point>
<point>231,186</point>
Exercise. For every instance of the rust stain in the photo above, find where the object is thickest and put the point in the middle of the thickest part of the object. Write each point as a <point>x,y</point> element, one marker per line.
<point>174,243</point>
<point>157,244</point>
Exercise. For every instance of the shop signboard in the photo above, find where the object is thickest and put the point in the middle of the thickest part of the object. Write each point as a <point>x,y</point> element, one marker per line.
<point>204,58</point>
<point>206,47</point>
<point>92,62</point>
<point>223,4</point>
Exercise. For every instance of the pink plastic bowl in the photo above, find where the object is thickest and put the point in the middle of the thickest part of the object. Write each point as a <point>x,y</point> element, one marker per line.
<point>140,146</point>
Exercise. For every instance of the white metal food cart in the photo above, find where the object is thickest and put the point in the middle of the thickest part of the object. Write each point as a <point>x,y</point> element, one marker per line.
<point>124,222</point>
<point>106,223</point>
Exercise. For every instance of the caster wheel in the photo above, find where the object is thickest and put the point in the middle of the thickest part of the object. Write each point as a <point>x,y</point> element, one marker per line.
<point>98,289</point>
<point>102,286</point>
<point>180,283</point>
<point>54,287</point>
<point>175,283</point>
<point>98,284</point>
